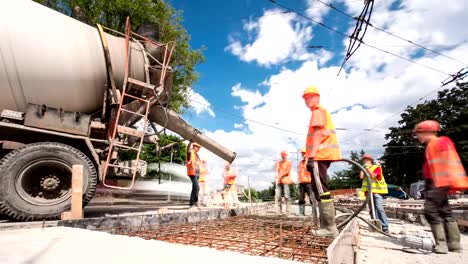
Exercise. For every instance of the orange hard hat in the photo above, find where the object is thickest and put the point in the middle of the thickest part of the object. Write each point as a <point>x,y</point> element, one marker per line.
<point>311,90</point>
<point>427,126</point>
<point>284,153</point>
<point>195,144</point>
<point>303,150</point>
<point>367,156</point>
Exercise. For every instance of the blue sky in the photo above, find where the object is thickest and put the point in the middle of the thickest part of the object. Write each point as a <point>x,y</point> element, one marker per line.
<point>258,64</point>
<point>210,23</point>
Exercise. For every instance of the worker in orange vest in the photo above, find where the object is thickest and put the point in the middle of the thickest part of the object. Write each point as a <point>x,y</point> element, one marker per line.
<point>443,171</point>
<point>193,171</point>
<point>322,149</point>
<point>230,190</point>
<point>202,181</point>
<point>305,183</point>
<point>283,180</point>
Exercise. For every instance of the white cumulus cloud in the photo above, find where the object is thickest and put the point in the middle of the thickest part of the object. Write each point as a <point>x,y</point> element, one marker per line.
<point>369,93</point>
<point>199,104</point>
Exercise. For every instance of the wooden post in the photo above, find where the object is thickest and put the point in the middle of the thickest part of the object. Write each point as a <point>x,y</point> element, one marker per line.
<point>77,195</point>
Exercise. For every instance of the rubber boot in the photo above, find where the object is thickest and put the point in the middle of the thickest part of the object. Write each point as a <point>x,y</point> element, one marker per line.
<point>327,220</point>
<point>439,236</point>
<point>302,209</point>
<point>453,237</point>
<point>281,207</point>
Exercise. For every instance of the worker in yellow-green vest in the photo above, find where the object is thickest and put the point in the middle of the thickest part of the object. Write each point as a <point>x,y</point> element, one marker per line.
<point>379,188</point>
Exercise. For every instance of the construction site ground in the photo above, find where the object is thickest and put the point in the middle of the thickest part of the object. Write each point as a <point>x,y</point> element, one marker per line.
<point>377,248</point>
<point>77,245</point>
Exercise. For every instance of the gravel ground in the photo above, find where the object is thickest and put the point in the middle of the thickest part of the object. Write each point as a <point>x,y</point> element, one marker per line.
<point>69,245</point>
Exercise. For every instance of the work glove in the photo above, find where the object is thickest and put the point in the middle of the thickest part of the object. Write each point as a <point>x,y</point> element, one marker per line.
<point>310,165</point>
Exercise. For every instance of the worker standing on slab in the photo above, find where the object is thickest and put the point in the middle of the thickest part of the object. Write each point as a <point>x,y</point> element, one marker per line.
<point>230,190</point>
<point>379,188</point>
<point>283,180</point>
<point>305,184</point>
<point>193,171</point>
<point>443,171</point>
<point>322,149</point>
<point>202,182</point>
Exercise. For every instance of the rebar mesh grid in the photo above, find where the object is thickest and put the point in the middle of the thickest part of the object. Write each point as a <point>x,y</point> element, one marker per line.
<point>253,235</point>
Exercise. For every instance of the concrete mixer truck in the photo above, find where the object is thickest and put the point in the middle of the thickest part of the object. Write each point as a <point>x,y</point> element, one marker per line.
<point>72,94</point>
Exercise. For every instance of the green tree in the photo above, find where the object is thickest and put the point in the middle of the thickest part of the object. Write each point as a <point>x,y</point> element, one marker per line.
<point>268,194</point>
<point>403,157</point>
<point>245,195</point>
<point>113,13</point>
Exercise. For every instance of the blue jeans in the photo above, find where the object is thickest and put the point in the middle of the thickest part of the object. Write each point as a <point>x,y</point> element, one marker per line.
<point>283,190</point>
<point>380,211</point>
<point>195,190</point>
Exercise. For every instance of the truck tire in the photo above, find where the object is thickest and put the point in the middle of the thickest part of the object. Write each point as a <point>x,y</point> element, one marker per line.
<point>36,180</point>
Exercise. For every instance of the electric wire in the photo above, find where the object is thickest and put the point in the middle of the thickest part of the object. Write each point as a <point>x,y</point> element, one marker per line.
<point>329,5</point>
<point>363,43</point>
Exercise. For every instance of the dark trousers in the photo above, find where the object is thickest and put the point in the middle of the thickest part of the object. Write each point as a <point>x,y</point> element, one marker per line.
<point>320,181</point>
<point>303,189</point>
<point>436,207</point>
<point>195,190</point>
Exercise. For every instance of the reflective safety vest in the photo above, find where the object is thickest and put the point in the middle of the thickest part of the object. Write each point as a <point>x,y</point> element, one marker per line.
<point>329,148</point>
<point>193,163</point>
<point>283,167</point>
<point>379,187</point>
<point>203,172</point>
<point>446,167</point>
<point>303,176</point>
<point>230,176</point>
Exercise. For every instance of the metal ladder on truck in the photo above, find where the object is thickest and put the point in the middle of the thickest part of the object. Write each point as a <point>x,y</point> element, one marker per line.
<point>146,102</point>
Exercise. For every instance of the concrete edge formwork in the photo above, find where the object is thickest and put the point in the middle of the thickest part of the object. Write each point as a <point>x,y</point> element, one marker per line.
<point>345,247</point>
<point>142,219</point>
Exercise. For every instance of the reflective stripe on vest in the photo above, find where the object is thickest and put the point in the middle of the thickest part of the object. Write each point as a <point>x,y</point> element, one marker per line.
<point>192,163</point>
<point>379,187</point>
<point>446,167</point>
<point>303,176</point>
<point>329,148</point>
<point>282,168</point>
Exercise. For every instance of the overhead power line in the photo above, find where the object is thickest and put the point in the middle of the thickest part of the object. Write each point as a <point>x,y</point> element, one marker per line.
<point>460,75</point>
<point>362,42</point>
<point>400,111</point>
<point>357,37</point>
<point>389,33</point>
<point>299,133</point>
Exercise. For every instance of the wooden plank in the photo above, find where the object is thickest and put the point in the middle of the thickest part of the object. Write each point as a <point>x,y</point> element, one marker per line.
<point>77,192</point>
<point>141,84</point>
<point>131,131</point>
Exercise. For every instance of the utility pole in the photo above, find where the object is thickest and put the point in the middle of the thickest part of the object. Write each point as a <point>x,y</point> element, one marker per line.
<point>248,186</point>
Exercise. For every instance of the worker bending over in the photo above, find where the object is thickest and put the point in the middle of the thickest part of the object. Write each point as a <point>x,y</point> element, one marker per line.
<point>379,188</point>
<point>283,180</point>
<point>202,182</point>
<point>443,171</point>
<point>305,184</point>
<point>321,150</point>
<point>193,171</point>
<point>230,190</point>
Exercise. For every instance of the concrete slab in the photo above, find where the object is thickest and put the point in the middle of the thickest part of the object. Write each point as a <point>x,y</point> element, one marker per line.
<point>376,248</point>
<point>71,245</point>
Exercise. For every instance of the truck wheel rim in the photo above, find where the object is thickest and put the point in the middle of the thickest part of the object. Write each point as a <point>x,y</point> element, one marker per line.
<point>44,182</point>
